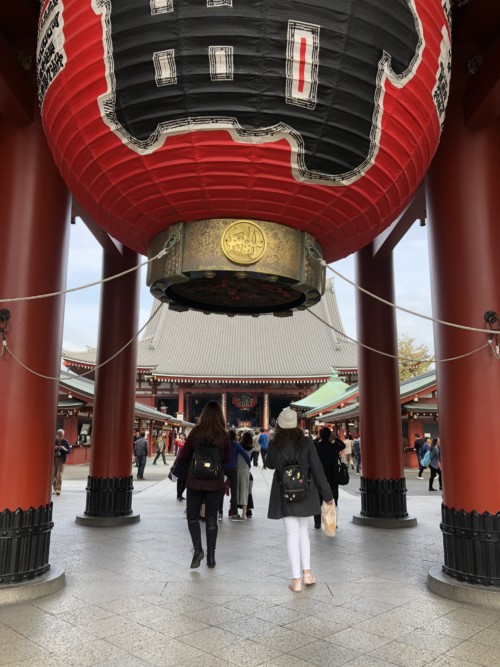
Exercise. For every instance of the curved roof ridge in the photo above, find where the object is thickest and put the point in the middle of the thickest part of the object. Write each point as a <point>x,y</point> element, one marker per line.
<point>192,344</point>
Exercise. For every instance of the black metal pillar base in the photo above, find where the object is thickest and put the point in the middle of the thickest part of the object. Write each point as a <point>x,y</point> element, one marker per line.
<point>110,498</point>
<point>471,546</point>
<point>383,504</point>
<point>24,543</point>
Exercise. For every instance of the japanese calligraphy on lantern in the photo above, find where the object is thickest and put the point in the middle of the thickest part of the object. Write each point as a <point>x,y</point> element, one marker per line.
<point>50,54</point>
<point>243,242</point>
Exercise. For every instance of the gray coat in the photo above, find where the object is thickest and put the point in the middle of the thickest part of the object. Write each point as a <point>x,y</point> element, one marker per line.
<point>435,457</point>
<point>309,460</point>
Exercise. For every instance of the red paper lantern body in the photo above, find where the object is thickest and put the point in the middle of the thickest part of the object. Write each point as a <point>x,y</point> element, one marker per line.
<point>316,115</point>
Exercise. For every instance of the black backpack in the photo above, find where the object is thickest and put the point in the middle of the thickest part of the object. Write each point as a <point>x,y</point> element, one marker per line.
<point>295,485</point>
<point>205,462</point>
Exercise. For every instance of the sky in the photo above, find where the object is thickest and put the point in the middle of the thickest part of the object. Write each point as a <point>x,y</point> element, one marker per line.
<point>411,271</point>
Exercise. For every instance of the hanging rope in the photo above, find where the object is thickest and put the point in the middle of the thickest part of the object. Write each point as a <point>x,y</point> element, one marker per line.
<point>49,295</point>
<point>402,308</point>
<point>393,356</point>
<point>6,348</point>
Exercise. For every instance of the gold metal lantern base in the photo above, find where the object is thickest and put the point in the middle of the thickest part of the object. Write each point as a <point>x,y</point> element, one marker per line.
<point>237,267</point>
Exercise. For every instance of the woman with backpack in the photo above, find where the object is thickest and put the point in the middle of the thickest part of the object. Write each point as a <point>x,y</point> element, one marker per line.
<point>293,459</point>
<point>205,451</point>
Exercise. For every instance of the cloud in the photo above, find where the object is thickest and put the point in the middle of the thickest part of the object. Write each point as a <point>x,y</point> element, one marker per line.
<point>412,288</point>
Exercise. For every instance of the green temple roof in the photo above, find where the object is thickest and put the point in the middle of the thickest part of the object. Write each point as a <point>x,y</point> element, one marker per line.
<point>325,395</point>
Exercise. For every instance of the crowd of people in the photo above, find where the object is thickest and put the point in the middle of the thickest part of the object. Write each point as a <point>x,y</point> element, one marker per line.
<point>236,454</point>
<point>213,462</point>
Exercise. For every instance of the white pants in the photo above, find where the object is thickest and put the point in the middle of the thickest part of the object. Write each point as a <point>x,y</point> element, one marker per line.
<point>297,544</point>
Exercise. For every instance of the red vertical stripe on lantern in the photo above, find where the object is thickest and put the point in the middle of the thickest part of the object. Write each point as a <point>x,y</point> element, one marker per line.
<point>302,63</point>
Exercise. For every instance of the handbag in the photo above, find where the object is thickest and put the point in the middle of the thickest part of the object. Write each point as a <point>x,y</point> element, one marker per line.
<point>342,473</point>
<point>178,470</point>
<point>205,462</point>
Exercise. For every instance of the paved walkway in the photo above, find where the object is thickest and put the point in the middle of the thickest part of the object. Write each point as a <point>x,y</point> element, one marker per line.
<point>131,599</point>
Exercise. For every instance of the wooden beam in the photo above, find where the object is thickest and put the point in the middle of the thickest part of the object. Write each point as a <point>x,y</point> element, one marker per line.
<point>107,242</point>
<point>17,90</point>
<point>482,97</point>
<point>385,242</point>
<point>477,21</point>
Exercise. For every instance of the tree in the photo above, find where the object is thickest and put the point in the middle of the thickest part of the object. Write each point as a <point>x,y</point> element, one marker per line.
<point>413,359</point>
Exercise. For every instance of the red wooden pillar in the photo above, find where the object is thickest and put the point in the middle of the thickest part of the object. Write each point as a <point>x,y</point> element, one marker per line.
<point>383,486</point>
<point>109,489</point>
<point>180,399</point>
<point>34,214</point>
<point>463,198</point>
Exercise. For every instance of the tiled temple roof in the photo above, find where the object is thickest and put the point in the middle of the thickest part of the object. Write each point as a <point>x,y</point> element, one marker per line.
<point>195,345</point>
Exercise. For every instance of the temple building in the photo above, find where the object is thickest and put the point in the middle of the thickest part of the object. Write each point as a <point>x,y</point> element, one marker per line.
<point>254,366</point>
<point>336,405</point>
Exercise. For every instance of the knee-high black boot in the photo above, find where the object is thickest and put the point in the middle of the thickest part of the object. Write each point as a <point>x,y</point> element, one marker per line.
<point>195,532</point>
<point>211,527</point>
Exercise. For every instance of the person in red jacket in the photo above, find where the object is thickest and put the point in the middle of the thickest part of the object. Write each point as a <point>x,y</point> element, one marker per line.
<point>210,431</point>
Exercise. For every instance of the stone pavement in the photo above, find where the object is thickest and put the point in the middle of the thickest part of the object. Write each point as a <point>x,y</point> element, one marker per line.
<point>131,599</point>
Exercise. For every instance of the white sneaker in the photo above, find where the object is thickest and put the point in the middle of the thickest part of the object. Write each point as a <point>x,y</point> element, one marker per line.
<point>420,478</point>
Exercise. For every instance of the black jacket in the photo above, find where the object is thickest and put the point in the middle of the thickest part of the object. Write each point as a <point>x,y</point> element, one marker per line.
<point>328,453</point>
<point>308,459</point>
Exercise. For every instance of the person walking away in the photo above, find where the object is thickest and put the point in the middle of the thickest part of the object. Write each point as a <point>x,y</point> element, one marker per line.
<point>178,443</point>
<point>243,476</point>
<point>137,435</point>
<point>348,450</point>
<point>181,483</point>
<point>263,444</point>
<point>418,446</point>
<point>435,465</point>
<point>256,449</point>
<point>231,472</point>
<point>289,445</point>
<point>208,434</point>
<point>308,437</point>
<point>356,452</point>
<point>160,449</point>
<point>141,454</point>
<point>250,505</point>
<point>61,450</point>
<point>423,452</point>
<point>329,453</point>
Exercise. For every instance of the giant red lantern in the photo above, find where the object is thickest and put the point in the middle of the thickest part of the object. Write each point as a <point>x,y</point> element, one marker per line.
<point>248,137</point>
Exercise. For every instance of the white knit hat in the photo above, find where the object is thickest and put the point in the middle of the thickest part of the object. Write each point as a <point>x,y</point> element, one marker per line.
<point>287,418</point>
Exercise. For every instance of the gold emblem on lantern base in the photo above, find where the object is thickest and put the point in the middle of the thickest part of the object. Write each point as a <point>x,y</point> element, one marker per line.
<point>236,266</point>
<point>243,242</point>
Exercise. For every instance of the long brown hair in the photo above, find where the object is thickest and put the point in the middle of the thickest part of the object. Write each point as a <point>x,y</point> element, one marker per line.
<point>210,426</point>
<point>283,435</point>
